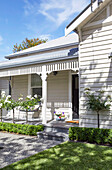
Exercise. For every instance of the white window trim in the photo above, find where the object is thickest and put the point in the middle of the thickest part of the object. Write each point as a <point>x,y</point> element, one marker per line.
<point>31,87</point>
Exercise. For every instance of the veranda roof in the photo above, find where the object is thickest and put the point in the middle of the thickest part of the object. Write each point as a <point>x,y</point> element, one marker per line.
<point>40,58</point>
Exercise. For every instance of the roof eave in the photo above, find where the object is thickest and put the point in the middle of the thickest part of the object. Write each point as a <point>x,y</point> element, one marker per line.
<point>87,13</point>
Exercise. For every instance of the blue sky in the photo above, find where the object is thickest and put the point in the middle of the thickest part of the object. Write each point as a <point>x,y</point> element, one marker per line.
<point>35,18</point>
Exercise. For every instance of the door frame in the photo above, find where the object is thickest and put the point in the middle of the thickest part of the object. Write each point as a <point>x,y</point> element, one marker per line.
<point>70,92</point>
<point>77,98</point>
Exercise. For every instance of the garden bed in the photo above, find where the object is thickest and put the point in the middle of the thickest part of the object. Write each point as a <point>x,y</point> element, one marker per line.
<point>91,135</point>
<point>21,129</point>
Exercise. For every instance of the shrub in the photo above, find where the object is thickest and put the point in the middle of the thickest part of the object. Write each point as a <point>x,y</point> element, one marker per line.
<point>92,135</point>
<point>21,129</point>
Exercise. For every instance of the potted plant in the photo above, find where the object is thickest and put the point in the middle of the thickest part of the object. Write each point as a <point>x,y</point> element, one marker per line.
<point>29,104</point>
<point>60,115</point>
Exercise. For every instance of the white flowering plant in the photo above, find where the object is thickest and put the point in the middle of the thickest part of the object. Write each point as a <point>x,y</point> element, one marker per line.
<point>9,103</point>
<point>60,114</point>
<point>29,103</point>
<point>96,101</point>
<point>2,99</point>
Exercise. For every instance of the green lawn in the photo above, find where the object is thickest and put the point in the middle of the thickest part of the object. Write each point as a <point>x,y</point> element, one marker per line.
<point>68,156</point>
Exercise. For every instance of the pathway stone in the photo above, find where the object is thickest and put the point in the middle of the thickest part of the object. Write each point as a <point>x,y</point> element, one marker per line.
<point>16,147</point>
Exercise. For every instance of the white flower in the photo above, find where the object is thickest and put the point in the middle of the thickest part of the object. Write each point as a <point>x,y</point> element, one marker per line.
<point>32,98</point>
<point>36,107</point>
<point>58,113</point>
<point>101,91</point>
<point>8,97</point>
<point>29,96</point>
<point>3,94</point>
<point>1,105</point>
<point>6,101</point>
<point>106,103</point>
<point>91,92</point>
<point>20,98</point>
<point>35,95</point>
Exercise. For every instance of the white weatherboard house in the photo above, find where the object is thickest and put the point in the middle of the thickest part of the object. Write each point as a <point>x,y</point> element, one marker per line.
<point>59,72</point>
<point>46,70</point>
<point>94,27</point>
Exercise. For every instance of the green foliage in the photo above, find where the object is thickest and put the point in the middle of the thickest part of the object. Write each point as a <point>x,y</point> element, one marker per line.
<point>10,104</point>
<point>27,43</point>
<point>29,103</point>
<point>21,129</point>
<point>92,135</point>
<point>7,102</point>
<point>96,101</point>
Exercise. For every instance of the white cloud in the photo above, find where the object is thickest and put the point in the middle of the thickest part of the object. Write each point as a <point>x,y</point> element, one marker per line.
<point>1,39</point>
<point>30,8</point>
<point>45,36</point>
<point>55,11</point>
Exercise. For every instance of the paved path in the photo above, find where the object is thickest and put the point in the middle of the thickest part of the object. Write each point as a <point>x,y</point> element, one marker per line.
<point>17,147</point>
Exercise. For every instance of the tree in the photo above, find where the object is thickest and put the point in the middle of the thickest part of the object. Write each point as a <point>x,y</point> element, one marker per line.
<point>97,102</point>
<point>27,43</point>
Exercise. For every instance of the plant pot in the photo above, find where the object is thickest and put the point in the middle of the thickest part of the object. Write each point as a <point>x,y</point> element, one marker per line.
<point>60,119</point>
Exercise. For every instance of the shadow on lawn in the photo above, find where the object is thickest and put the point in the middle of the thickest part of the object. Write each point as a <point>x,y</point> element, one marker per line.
<point>68,156</point>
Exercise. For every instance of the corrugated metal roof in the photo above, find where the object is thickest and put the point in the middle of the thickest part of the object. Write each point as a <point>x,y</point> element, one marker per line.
<point>40,58</point>
<point>71,39</point>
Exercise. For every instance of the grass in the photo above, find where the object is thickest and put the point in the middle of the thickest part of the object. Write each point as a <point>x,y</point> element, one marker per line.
<point>68,156</point>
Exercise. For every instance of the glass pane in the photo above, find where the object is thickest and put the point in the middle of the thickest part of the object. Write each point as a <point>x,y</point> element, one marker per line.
<point>36,80</point>
<point>37,91</point>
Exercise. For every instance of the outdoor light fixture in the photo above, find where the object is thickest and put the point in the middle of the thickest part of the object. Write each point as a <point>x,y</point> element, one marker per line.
<point>55,73</point>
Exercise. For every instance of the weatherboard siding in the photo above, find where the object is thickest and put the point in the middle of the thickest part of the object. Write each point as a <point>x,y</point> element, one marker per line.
<point>96,68</point>
<point>4,86</point>
<point>19,86</point>
<point>58,93</point>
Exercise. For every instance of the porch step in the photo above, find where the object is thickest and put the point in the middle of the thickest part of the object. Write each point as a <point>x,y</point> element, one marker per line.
<point>54,132</point>
<point>49,128</point>
<point>58,136</point>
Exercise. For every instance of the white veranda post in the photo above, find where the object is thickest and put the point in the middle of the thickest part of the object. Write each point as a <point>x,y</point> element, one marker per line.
<point>44,94</point>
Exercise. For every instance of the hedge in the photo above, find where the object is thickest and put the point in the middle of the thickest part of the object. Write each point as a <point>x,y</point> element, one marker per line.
<point>21,129</point>
<point>91,135</point>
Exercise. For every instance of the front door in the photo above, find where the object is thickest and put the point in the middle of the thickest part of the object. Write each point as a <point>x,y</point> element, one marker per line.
<point>75,96</point>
